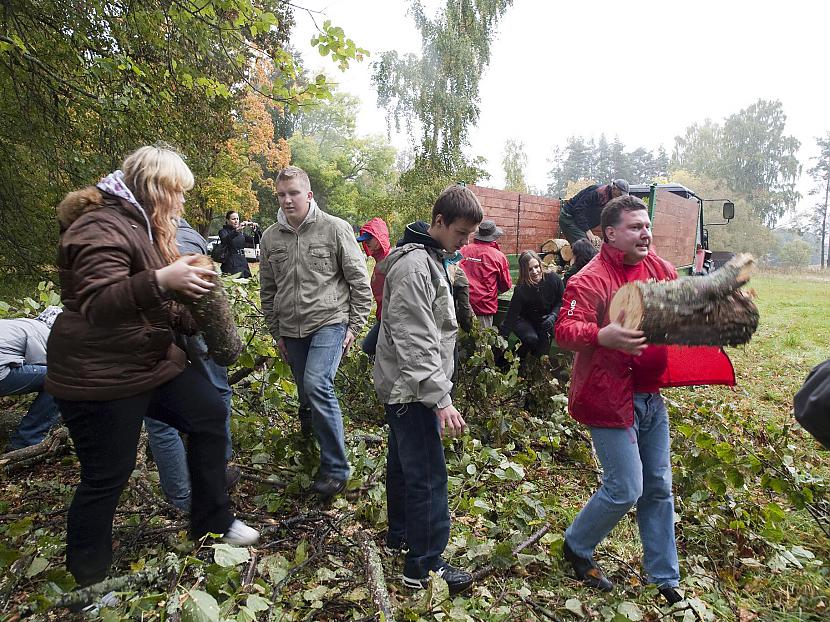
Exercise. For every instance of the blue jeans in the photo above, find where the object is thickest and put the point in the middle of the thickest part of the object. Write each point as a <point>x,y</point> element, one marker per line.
<point>370,342</point>
<point>42,414</point>
<point>416,487</point>
<point>636,466</point>
<point>314,360</point>
<point>166,443</point>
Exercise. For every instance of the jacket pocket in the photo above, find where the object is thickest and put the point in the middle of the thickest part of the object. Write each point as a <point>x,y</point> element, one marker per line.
<point>321,259</point>
<point>277,258</point>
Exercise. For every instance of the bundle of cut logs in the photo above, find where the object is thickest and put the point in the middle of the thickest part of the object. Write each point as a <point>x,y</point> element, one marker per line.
<point>696,310</point>
<point>557,253</point>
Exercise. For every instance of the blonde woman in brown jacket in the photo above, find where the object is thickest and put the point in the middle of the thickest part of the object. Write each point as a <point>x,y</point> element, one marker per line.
<point>112,354</point>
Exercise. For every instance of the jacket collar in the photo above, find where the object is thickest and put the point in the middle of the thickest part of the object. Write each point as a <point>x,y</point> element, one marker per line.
<point>493,243</point>
<point>313,211</point>
<point>615,256</point>
<point>114,184</point>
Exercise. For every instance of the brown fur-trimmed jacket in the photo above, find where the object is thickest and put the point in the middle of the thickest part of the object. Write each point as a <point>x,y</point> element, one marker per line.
<point>115,338</point>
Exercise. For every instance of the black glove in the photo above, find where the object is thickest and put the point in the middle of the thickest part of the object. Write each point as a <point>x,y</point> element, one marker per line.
<point>548,321</point>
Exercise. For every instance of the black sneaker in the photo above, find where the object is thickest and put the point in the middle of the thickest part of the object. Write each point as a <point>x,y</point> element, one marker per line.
<point>587,570</point>
<point>671,595</point>
<point>326,487</point>
<point>457,580</point>
<point>232,476</point>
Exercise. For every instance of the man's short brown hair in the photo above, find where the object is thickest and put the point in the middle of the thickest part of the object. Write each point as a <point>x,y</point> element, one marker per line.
<point>612,212</point>
<point>294,172</point>
<point>457,203</point>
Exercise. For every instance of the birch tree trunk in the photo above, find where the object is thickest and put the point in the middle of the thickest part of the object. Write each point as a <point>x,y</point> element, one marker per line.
<point>697,310</point>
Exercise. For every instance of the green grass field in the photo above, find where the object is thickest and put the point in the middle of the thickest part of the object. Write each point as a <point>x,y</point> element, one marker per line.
<point>793,336</point>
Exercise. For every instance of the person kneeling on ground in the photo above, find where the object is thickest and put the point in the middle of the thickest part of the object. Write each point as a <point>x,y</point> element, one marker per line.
<point>534,306</point>
<point>23,370</point>
<point>413,367</point>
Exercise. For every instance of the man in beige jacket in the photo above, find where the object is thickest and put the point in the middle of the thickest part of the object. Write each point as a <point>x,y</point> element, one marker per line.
<point>316,298</point>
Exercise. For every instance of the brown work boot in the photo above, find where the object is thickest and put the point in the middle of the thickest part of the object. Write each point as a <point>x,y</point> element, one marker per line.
<point>587,570</point>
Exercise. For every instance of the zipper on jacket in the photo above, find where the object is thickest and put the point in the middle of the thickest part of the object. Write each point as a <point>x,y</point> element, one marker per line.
<point>297,283</point>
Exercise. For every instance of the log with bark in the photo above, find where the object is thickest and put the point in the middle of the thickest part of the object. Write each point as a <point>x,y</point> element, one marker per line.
<point>374,575</point>
<point>214,317</point>
<point>708,310</point>
<point>54,444</point>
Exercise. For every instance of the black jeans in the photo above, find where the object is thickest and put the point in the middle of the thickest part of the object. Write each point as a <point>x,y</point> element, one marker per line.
<point>534,338</point>
<point>105,435</point>
<point>416,487</point>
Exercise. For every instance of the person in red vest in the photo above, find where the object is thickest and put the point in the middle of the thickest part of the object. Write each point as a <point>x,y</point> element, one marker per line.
<point>374,236</point>
<point>487,270</point>
<point>615,391</point>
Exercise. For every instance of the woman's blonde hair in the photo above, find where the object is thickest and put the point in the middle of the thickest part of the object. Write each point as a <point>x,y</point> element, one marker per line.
<point>156,176</point>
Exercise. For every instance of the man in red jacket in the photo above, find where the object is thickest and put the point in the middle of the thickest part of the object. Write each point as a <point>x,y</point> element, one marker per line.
<point>487,270</point>
<point>615,391</point>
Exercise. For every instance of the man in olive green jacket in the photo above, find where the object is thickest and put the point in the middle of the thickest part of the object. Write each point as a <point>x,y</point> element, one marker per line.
<point>316,298</point>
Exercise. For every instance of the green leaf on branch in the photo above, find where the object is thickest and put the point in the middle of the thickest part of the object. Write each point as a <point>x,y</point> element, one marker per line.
<point>226,555</point>
<point>200,607</point>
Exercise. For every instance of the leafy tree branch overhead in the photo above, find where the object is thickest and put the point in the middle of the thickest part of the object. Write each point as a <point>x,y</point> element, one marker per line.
<point>83,83</point>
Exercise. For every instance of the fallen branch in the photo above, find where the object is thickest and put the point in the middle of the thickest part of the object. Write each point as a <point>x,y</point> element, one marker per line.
<point>88,595</point>
<point>248,579</point>
<point>244,372</point>
<point>374,575</point>
<point>485,572</point>
<point>53,444</point>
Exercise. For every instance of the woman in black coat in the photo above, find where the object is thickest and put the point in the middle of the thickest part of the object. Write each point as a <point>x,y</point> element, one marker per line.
<point>233,239</point>
<point>534,306</point>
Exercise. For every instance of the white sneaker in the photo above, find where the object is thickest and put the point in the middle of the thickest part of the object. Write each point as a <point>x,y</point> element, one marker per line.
<point>239,534</point>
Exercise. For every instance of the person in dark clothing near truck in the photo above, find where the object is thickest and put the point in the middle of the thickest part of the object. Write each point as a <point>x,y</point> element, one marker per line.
<point>534,306</point>
<point>233,238</point>
<point>583,252</point>
<point>581,213</point>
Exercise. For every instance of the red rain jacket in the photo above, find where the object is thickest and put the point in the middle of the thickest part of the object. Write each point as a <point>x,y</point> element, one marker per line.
<point>488,271</point>
<point>377,229</point>
<point>601,393</point>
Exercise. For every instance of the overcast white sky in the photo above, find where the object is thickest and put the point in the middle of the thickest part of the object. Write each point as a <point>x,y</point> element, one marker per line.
<point>659,67</point>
